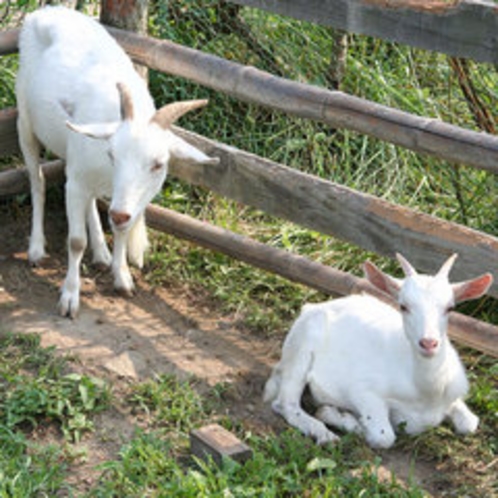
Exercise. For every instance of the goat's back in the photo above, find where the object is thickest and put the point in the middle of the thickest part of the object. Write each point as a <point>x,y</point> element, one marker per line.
<point>69,67</point>
<point>354,342</point>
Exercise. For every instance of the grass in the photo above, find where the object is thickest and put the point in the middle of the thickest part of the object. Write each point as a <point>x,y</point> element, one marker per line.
<point>39,396</point>
<point>40,391</point>
<point>35,389</point>
<point>38,456</point>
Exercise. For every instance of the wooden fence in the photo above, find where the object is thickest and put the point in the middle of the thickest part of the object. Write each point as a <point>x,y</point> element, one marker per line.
<point>315,203</point>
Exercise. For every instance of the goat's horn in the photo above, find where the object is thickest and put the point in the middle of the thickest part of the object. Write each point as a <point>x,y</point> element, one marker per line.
<point>408,269</point>
<point>126,104</point>
<point>446,268</point>
<point>170,113</point>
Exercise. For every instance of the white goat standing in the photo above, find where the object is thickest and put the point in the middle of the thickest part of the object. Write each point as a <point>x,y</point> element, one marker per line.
<point>73,74</point>
<point>371,368</point>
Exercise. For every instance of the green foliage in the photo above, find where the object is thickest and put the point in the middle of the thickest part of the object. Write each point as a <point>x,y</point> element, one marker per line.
<point>35,394</point>
<point>36,390</point>
<point>28,469</point>
<point>286,465</point>
<point>172,403</point>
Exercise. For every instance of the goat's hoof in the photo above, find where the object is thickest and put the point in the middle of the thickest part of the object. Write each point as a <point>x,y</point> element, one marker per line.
<point>467,425</point>
<point>381,441</point>
<point>37,259</point>
<point>102,259</point>
<point>123,292</point>
<point>326,438</point>
<point>67,309</point>
<point>100,265</point>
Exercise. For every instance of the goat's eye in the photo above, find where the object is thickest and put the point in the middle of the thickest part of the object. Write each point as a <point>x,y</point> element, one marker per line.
<point>157,166</point>
<point>403,308</point>
<point>110,155</point>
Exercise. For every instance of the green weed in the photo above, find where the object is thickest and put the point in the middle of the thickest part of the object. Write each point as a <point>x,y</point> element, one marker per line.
<point>28,469</point>
<point>171,403</point>
<point>286,465</point>
<point>35,389</point>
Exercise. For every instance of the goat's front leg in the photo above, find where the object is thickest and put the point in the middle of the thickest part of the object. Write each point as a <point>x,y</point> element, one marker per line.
<point>100,251</point>
<point>374,417</point>
<point>123,281</point>
<point>30,148</point>
<point>464,421</point>
<point>77,203</point>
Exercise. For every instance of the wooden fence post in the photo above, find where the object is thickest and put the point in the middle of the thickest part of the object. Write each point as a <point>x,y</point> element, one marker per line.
<point>130,15</point>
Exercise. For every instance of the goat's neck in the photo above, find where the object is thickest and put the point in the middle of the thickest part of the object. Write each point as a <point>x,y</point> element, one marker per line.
<point>431,375</point>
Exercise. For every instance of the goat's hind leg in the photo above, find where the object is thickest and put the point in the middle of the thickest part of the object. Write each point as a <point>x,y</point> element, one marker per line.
<point>293,370</point>
<point>342,420</point>
<point>288,405</point>
<point>30,147</point>
<point>100,252</point>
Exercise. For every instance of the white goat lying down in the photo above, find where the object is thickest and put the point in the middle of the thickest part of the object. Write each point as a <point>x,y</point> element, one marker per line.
<point>74,75</point>
<point>372,369</point>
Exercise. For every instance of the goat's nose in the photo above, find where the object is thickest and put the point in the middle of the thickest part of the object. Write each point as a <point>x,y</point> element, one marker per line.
<point>118,217</point>
<point>428,345</point>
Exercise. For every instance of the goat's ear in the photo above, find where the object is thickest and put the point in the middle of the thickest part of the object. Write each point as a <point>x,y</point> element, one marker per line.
<point>472,289</point>
<point>100,130</point>
<point>379,279</point>
<point>183,151</point>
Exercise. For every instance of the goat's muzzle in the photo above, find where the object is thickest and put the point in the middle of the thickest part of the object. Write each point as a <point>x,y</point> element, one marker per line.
<point>428,346</point>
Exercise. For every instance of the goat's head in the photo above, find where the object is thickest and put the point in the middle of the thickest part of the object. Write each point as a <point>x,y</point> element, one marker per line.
<point>425,301</point>
<point>140,151</point>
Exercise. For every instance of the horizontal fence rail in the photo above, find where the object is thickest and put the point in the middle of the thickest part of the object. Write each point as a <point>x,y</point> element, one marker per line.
<point>461,29</point>
<point>330,208</point>
<point>367,221</point>
<point>466,330</point>
<point>339,110</point>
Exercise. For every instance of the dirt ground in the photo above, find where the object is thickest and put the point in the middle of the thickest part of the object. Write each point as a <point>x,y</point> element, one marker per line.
<point>127,339</point>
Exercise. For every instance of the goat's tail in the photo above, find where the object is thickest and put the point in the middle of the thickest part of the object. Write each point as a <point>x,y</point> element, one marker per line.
<point>272,386</point>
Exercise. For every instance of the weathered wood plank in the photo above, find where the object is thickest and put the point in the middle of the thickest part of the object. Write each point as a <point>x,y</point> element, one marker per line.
<point>330,208</point>
<point>8,41</point>
<point>468,331</point>
<point>460,28</point>
<point>9,143</point>
<point>16,181</point>
<point>424,135</point>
